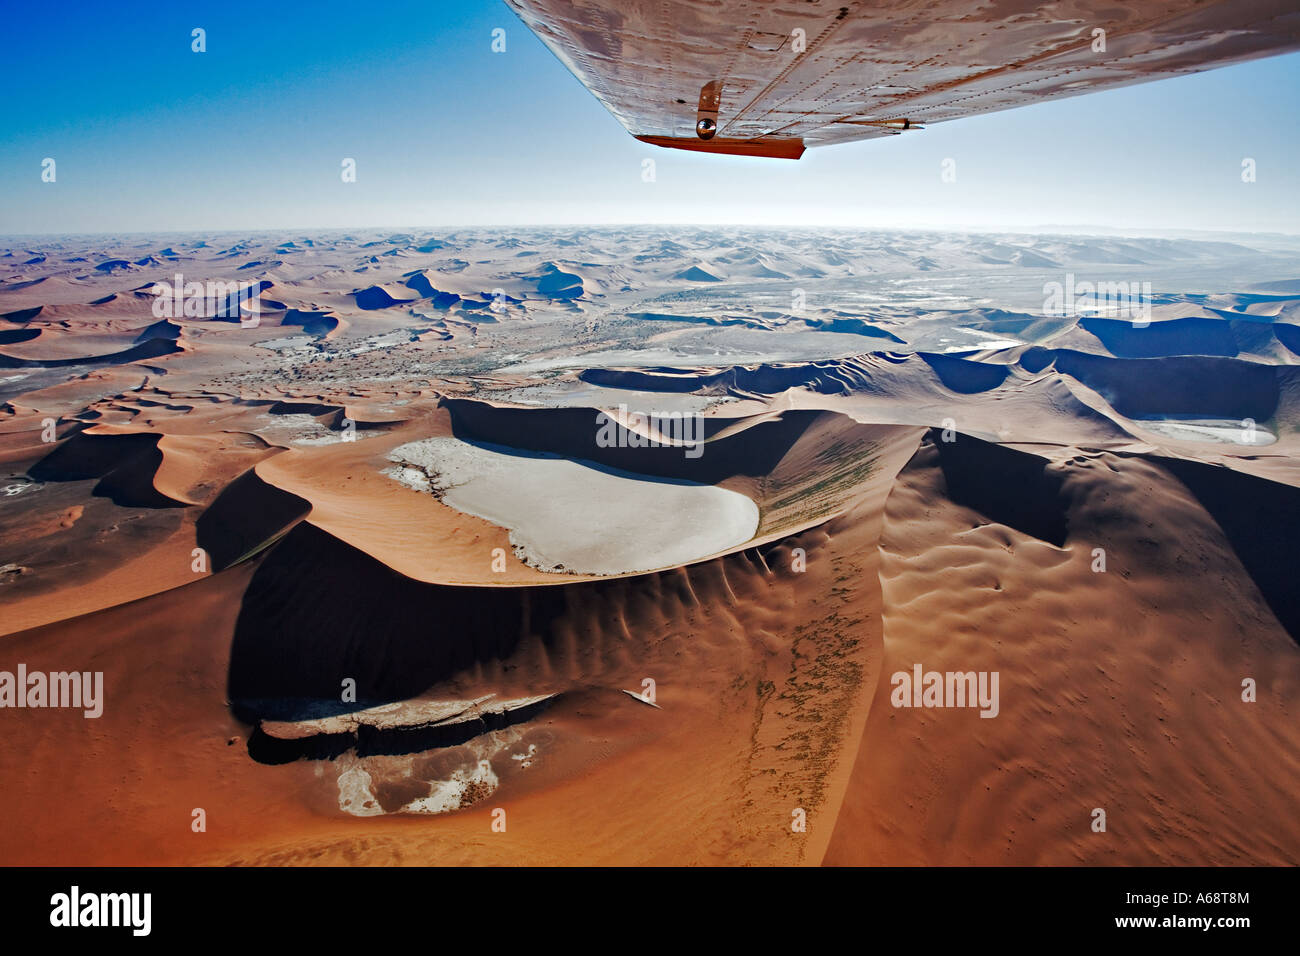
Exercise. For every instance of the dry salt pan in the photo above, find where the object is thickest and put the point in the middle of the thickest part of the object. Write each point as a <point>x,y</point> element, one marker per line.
<point>566,515</point>
<point>1217,430</point>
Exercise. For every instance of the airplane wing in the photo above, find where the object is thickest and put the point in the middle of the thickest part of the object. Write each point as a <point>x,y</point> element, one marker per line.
<point>771,77</point>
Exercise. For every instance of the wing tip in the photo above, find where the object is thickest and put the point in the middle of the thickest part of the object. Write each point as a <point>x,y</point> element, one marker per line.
<point>766,147</point>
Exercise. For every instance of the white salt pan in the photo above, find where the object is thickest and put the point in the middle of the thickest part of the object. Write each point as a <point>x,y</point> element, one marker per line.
<point>569,515</point>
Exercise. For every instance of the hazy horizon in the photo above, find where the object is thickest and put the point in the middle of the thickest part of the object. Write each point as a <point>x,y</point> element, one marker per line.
<point>1053,229</point>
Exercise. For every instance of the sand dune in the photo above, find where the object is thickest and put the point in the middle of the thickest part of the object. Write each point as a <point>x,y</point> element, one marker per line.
<point>1104,701</point>
<point>414,547</point>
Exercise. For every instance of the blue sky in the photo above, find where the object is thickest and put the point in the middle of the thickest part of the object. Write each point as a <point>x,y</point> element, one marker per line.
<point>149,136</point>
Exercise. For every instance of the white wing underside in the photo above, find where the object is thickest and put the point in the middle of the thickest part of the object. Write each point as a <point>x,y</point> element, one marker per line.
<point>785,74</point>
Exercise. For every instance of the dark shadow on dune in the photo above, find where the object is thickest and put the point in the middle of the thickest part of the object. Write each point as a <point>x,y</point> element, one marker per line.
<point>23,315</point>
<point>853,326</point>
<point>650,379</point>
<point>573,433</point>
<point>1190,336</point>
<point>420,283</point>
<point>14,336</point>
<point>833,377</point>
<point>555,283</point>
<point>1261,520</point>
<point>585,463</point>
<point>963,375</point>
<point>162,329</point>
<point>124,464</point>
<point>315,409</point>
<point>313,323</point>
<point>1289,336</point>
<point>375,297</point>
<point>715,320</point>
<point>318,611</point>
<point>1006,486</point>
<point>264,748</point>
<point>153,348</point>
<point>1179,386</point>
<point>247,515</point>
<point>25,285</point>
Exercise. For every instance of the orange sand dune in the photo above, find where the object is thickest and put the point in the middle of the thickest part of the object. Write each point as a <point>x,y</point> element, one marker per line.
<point>272,542</point>
<point>1120,690</point>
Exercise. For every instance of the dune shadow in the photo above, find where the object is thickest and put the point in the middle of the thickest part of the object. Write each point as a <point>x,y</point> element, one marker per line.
<point>318,612</point>
<point>1007,486</point>
<point>573,433</point>
<point>1261,520</point>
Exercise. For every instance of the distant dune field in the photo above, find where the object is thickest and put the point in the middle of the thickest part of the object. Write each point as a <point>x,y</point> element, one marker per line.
<point>398,535</point>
